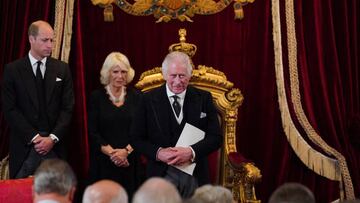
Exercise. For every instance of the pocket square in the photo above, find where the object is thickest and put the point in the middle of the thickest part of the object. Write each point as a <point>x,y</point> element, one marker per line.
<point>58,79</point>
<point>202,115</point>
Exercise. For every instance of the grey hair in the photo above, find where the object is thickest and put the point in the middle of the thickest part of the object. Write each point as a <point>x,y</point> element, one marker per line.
<point>112,60</point>
<point>54,176</point>
<point>213,193</point>
<point>157,190</point>
<point>179,57</point>
<point>292,192</point>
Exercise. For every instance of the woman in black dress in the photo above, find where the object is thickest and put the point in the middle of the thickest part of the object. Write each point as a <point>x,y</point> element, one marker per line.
<point>110,113</point>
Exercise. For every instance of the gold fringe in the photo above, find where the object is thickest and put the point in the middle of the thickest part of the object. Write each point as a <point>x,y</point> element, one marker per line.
<point>319,163</point>
<point>66,45</point>
<point>58,27</point>
<point>301,116</point>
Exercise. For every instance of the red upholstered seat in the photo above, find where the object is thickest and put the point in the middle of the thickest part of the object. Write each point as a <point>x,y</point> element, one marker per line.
<point>237,159</point>
<point>16,190</point>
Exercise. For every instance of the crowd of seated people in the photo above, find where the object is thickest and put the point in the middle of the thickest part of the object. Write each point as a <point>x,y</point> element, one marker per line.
<point>55,182</point>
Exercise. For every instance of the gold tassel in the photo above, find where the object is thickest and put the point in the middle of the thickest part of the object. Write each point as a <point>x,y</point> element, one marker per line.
<point>238,11</point>
<point>108,13</point>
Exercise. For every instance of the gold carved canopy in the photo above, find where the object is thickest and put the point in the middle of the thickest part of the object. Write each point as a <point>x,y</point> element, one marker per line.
<point>166,10</point>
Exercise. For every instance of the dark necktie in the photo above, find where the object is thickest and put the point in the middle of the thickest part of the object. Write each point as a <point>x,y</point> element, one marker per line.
<point>43,124</point>
<point>176,105</point>
<point>38,72</point>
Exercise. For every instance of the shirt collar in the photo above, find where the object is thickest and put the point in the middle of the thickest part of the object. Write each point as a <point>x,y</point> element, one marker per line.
<point>170,93</point>
<point>33,60</point>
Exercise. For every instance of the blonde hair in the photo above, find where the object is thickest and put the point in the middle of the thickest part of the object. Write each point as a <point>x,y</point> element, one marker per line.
<point>112,60</point>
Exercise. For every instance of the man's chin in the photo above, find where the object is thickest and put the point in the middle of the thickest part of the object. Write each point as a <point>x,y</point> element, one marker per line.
<point>47,54</point>
<point>178,91</point>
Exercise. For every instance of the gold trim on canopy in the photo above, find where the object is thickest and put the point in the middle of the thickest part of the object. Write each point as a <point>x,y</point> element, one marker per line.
<point>330,164</point>
<point>166,10</point>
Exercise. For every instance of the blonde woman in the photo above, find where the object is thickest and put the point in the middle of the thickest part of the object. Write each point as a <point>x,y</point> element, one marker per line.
<point>110,113</point>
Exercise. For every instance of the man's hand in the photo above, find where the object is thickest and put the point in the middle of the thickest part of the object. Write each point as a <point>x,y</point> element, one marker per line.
<point>181,156</point>
<point>43,145</point>
<point>175,155</point>
<point>166,154</point>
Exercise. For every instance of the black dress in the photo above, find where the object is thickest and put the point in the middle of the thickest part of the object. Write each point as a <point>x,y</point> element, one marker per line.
<point>109,124</point>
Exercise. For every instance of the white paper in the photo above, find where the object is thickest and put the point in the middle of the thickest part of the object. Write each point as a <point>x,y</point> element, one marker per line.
<point>189,136</point>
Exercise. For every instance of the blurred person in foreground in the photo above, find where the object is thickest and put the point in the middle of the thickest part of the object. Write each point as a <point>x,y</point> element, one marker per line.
<point>105,191</point>
<point>54,182</point>
<point>213,194</point>
<point>292,192</point>
<point>157,190</point>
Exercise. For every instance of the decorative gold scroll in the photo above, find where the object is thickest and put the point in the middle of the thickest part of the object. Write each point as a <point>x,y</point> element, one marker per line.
<point>166,10</point>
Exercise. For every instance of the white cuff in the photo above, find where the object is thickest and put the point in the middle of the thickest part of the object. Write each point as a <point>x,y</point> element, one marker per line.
<point>37,135</point>
<point>193,154</point>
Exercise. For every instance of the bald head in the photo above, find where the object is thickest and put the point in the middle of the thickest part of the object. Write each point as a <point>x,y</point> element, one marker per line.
<point>157,190</point>
<point>105,191</point>
<point>35,26</point>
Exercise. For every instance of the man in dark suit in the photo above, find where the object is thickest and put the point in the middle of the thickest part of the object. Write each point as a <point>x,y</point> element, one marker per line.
<point>38,99</point>
<point>161,118</point>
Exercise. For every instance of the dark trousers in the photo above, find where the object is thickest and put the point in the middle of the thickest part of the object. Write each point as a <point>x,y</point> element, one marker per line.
<point>32,161</point>
<point>185,183</point>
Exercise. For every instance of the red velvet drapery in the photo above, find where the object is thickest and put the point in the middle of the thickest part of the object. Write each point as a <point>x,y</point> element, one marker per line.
<point>328,34</point>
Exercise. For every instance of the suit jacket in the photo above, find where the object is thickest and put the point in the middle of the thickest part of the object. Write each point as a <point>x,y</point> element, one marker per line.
<point>152,128</point>
<point>21,106</point>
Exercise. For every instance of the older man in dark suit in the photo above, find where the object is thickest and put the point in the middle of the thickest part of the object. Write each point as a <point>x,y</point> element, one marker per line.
<point>161,117</point>
<point>38,99</point>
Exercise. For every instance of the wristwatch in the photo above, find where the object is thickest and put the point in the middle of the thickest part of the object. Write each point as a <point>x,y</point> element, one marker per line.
<point>54,139</point>
<point>128,150</point>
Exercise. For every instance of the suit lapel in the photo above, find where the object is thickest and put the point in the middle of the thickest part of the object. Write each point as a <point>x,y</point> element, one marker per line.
<point>192,106</point>
<point>27,75</point>
<point>162,110</point>
<point>50,78</point>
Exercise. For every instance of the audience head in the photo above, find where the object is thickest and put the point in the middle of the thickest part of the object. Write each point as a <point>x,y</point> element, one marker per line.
<point>41,38</point>
<point>120,62</point>
<point>213,194</point>
<point>292,192</point>
<point>350,201</point>
<point>176,70</point>
<point>54,178</point>
<point>105,191</point>
<point>157,190</point>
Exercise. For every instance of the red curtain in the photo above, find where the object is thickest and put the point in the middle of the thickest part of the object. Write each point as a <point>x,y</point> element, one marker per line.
<point>328,59</point>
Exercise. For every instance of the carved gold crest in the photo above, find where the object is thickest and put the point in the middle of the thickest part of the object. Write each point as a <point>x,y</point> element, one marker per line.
<point>166,10</point>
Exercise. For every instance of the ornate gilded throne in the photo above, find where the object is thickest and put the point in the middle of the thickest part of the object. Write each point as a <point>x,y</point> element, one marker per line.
<point>231,169</point>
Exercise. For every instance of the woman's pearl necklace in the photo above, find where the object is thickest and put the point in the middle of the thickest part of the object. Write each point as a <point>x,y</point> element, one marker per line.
<point>114,99</point>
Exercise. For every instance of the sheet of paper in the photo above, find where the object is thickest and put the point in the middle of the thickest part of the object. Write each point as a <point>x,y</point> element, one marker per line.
<point>189,136</point>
